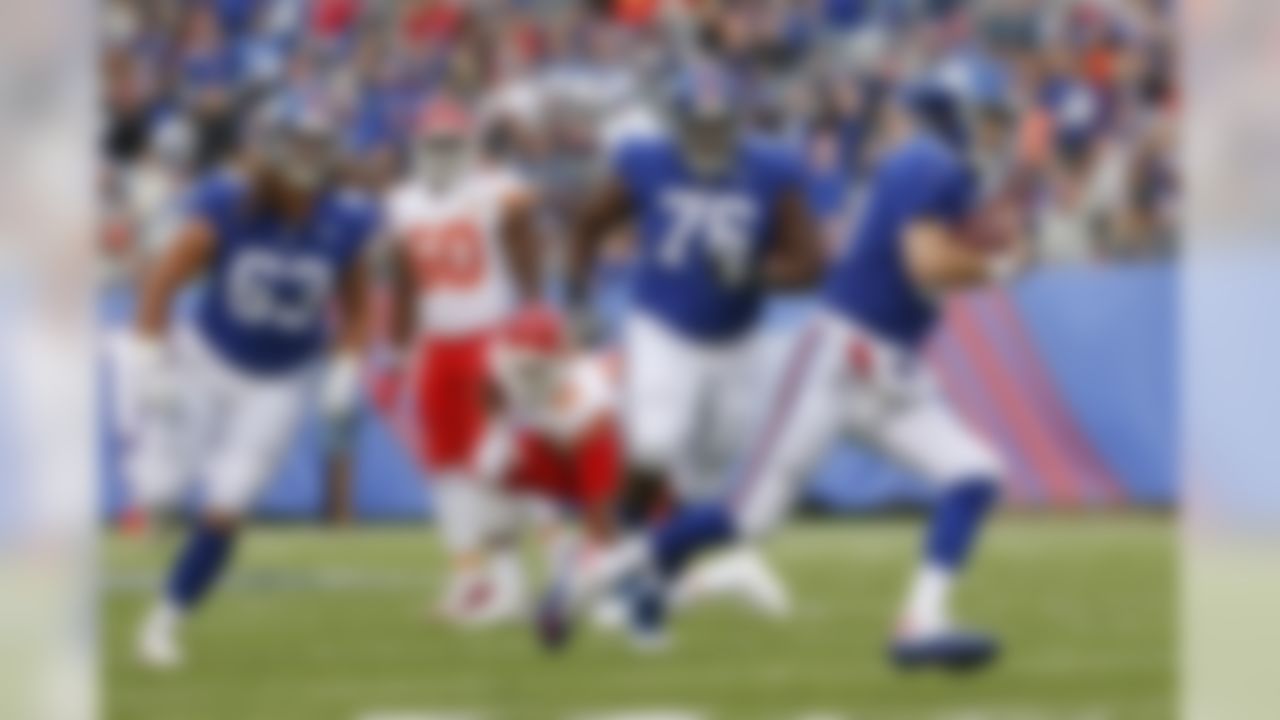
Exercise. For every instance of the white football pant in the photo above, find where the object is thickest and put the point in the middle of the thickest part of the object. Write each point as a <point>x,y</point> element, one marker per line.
<point>227,433</point>
<point>687,405</point>
<point>842,380</point>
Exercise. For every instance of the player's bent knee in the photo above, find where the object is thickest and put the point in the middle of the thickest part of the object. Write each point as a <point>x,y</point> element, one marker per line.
<point>989,475</point>
<point>979,464</point>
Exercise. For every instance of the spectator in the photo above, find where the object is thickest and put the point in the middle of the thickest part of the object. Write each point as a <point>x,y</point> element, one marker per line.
<point>559,81</point>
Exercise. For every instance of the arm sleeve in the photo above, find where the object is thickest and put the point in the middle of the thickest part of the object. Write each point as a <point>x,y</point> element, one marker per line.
<point>953,194</point>
<point>790,172</point>
<point>629,165</point>
<point>213,199</point>
<point>364,222</point>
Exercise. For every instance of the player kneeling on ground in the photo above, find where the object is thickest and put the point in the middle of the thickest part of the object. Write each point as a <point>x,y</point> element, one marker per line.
<point>276,246</point>
<point>553,447</point>
<point>552,443</point>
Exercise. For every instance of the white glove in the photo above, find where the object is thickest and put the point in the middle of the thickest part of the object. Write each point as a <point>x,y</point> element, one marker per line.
<point>146,382</point>
<point>340,388</point>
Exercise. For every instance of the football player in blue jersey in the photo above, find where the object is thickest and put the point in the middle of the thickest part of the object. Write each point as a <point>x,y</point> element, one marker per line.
<point>277,246</point>
<point>935,218</point>
<point>721,218</point>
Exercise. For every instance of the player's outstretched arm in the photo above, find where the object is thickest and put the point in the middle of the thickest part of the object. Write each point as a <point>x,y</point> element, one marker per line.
<point>403,286</point>
<point>495,452</point>
<point>603,212</point>
<point>353,308</point>
<point>146,383</point>
<point>797,258</point>
<point>341,384</point>
<point>340,387</point>
<point>186,258</point>
<point>523,241</point>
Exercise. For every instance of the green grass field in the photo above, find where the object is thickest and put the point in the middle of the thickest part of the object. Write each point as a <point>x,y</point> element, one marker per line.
<point>322,625</point>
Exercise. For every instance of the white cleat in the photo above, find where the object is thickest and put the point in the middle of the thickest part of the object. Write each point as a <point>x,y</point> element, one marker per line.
<point>762,589</point>
<point>479,601</point>
<point>609,614</point>
<point>157,644</point>
<point>498,608</point>
<point>740,575</point>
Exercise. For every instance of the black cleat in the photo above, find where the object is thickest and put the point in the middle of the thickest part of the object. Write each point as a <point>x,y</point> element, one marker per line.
<point>554,619</point>
<point>956,650</point>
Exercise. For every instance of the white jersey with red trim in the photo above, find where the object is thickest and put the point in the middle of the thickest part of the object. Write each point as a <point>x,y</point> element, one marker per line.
<point>454,238</point>
<point>560,407</point>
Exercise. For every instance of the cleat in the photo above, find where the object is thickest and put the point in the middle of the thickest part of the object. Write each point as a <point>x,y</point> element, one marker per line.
<point>956,650</point>
<point>610,614</point>
<point>740,575</point>
<point>554,619</point>
<point>647,614</point>
<point>157,644</point>
<point>474,600</point>
<point>582,579</point>
<point>481,603</point>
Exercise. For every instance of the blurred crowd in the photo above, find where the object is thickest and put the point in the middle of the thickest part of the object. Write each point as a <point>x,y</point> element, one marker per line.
<point>555,81</point>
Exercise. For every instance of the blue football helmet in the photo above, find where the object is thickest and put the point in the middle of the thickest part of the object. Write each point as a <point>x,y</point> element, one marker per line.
<point>298,139</point>
<point>704,111</point>
<point>961,95</point>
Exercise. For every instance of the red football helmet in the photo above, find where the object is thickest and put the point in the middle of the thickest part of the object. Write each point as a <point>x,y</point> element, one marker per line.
<point>442,141</point>
<point>536,330</point>
<point>443,117</point>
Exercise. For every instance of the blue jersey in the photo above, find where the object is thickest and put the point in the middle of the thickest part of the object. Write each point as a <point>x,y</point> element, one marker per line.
<point>702,240</point>
<point>921,179</point>
<point>266,300</point>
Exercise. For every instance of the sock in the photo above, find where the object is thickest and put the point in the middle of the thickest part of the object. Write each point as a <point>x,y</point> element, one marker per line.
<point>956,521</point>
<point>687,533</point>
<point>953,529</point>
<point>199,566</point>
<point>646,598</point>
<point>928,604</point>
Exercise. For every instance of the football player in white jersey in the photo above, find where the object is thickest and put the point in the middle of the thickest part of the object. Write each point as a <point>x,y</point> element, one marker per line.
<point>465,254</point>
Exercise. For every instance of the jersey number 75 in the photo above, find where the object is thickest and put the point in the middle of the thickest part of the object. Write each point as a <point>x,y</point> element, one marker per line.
<point>720,222</point>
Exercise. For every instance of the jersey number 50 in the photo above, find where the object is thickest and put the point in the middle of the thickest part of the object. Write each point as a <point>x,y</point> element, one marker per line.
<point>449,255</point>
